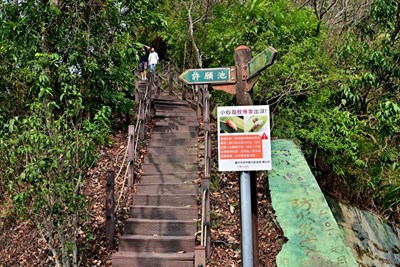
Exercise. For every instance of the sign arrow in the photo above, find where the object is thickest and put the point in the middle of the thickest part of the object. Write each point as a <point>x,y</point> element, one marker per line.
<point>224,75</point>
<point>260,62</point>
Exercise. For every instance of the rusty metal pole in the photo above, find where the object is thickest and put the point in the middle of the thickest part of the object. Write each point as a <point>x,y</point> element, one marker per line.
<point>245,98</point>
<point>110,206</point>
<point>254,215</point>
<point>242,56</point>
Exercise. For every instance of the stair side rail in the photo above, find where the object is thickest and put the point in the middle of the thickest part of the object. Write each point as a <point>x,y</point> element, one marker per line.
<point>204,249</point>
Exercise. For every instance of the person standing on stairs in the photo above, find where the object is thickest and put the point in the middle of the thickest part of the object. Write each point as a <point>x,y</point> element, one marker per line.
<point>144,56</point>
<point>153,59</point>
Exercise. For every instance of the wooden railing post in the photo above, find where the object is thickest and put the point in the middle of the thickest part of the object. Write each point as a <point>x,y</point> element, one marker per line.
<point>142,116</point>
<point>157,86</point>
<point>149,102</point>
<point>184,92</point>
<point>131,155</point>
<point>207,162</point>
<point>137,96</point>
<point>200,102</point>
<point>206,105</point>
<point>170,82</point>
<point>110,206</point>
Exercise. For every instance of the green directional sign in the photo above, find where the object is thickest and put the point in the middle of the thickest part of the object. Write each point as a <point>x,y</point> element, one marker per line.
<point>209,76</point>
<point>260,62</point>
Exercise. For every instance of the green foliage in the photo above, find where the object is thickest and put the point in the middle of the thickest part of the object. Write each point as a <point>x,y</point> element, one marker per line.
<point>90,46</point>
<point>47,156</point>
<point>388,118</point>
<point>370,90</point>
<point>327,132</point>
<point>384,13</point>
<point>66,67</point>
<point>338,100</point>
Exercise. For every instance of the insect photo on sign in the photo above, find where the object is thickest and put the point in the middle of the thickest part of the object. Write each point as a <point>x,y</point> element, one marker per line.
<point>255,123</point>
<point>231,124</point>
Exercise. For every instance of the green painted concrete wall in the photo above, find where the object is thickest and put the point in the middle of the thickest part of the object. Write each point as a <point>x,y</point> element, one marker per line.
<point>314,238</point>
<point>373,242</point>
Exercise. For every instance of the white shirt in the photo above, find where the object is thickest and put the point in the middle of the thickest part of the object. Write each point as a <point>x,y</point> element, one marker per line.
<point>153,58</point>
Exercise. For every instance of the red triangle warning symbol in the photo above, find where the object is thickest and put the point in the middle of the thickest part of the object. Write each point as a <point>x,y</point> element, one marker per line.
<point>264,136</point>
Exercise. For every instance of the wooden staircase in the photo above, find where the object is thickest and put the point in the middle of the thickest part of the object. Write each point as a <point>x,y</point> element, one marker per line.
<point>160,231</point>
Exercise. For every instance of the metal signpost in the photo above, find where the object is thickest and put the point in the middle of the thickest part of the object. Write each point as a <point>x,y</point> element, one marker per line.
<point>240,80</point>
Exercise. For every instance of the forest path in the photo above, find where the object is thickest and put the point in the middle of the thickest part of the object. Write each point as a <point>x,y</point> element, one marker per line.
<point>161,227</point>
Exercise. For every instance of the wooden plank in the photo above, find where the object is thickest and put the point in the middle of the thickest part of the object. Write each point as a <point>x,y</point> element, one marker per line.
<point>140,259</point>
<point>174,135</point>
<point>161,142</point>
<point>144,189</point>
<point>159,227</point>
<point>168,168</point>
<point>173,200</point>
<point>175,128</point>
<point>176,123</point>
<point>168,179</point>
<point>141,243</point>
<point>160,158</point>
<point>163,212</point>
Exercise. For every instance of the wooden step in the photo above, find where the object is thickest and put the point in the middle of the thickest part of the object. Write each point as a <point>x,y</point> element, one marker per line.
<point>148,259</point>
<point>174,135</point>
<point>180,116</point>
<point>157,158</point>
<point>172,150</point>
<point>174,115</point>
<point>176,122</point>
<point>171,107</point>
<point>175,128</point>
<point>172,200</point>
<point>176,174</point>
<point>182,119</point>
<point>169,179</point>
<point>168,98</point>
<point>145,243</point>
<point>154,142</point>
<point>150,168</point>
<point>163,101</point>
<point>177,111</point>
<point>163,212</point>
<point>134,226</point>
<point>173,102</point>
<point>182,189</point>
<point>187,114</point>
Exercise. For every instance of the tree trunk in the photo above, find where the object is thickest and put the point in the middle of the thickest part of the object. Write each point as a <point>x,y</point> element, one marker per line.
<point>191,36</point>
